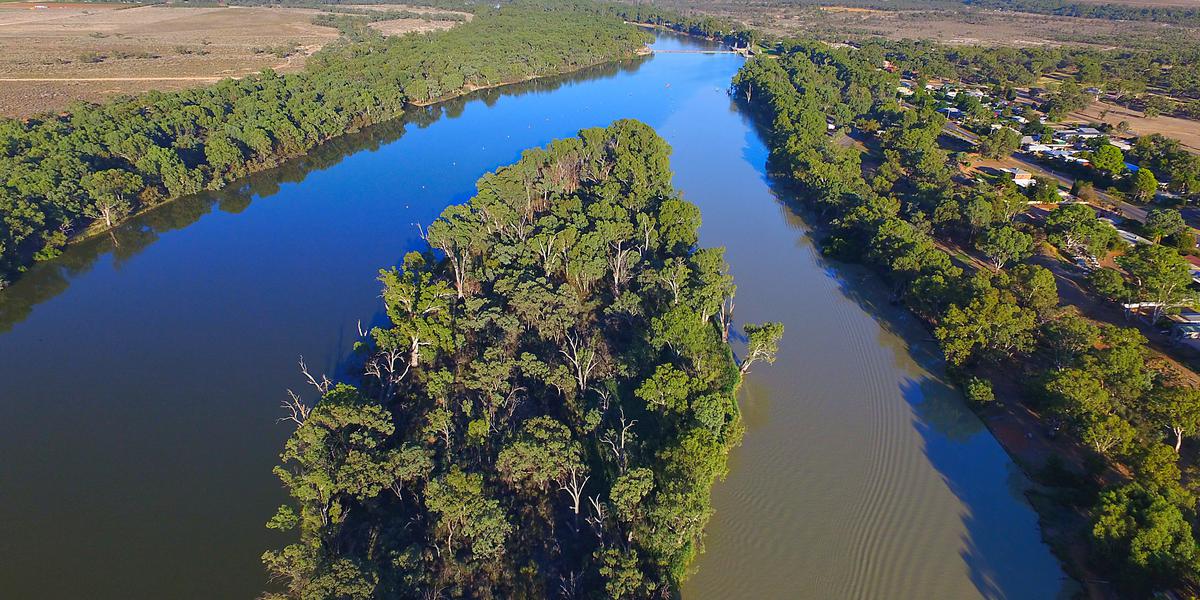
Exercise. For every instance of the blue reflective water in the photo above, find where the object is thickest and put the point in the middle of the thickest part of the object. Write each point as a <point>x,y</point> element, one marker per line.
<point>140,373</point>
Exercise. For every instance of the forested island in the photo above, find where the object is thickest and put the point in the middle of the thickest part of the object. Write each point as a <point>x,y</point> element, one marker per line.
<point>548,406</point>
<point>94,165</point>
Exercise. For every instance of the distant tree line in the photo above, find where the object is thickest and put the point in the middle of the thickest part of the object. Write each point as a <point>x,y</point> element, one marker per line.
<point>1173,69</point>
<point>1097,381</point>
<point>548,406</point>
<point>1178,15</point>
<point>93,165</point>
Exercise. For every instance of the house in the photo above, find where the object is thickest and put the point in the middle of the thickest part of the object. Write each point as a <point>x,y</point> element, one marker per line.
<point>950,112</point>
<point>1021,177</point>
<point>1081,133</point>
<point>1122,145</point>
<point>904,91</point>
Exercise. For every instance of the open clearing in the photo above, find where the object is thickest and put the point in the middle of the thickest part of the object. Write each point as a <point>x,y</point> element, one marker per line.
<point>52,53</point>
<point>68,52</point>
<point>1147,3</point>
<point>1184,130</point>
<point>960,26</point>
<point>402,26</point>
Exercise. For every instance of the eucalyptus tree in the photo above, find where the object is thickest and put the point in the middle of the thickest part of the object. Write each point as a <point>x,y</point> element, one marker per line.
<point>549,404</point>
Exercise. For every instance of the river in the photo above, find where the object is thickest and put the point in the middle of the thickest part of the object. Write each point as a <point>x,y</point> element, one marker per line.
<point>140,373</point>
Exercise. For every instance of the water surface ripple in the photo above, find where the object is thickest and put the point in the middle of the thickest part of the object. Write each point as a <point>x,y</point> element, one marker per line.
<point>140,373</point>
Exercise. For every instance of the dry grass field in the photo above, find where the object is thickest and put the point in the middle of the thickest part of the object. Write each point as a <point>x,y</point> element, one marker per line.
<point>965,26</point>
<point>1184,130</point>
<point>402,26</point>
<point>54,53</point>
<point>1147,3</point>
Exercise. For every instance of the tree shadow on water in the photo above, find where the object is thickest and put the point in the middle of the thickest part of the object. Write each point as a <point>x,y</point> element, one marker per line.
<point>1001,544</point>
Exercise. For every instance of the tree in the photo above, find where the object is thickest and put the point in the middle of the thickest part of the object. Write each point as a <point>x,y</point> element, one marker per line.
<point>762,344</point>
<point>111,193</point>
<point>1069,337</point>
<point>979,390</point>
<point>543,454</point>
<point>465,510</point>
<point>1084,190</point>
<point>1075,228</point>
<point>999,143</point>
<point>1044,190</point>
<point>1078,393</point>
<point>1003,245</point>
<point>1160,276</point>
<point>1177,409</point>
<point>989,323</point>
<point>1145,535</point>
<point>1163,222</point>
<point>1144,185</point>
<point>667,390</point>
<point>1108,159</point>
<point>1035,288</point>
<point>1110,284</point>
<point>1107,434</point>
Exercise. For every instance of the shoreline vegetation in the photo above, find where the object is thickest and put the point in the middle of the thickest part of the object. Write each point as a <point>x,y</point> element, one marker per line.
<point>549,406</point>
<point>1115,500</point>
<point>65,177</point>
<point>1097,425</point>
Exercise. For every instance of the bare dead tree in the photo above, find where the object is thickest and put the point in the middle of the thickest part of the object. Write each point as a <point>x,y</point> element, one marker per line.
<point>725,317</point>
<point>618,261</point>
<point>297,410</point>
<point>509,405</point>
<point>582,356</point>
<point>596,520</point>
<point>322,386</point>
<point>574,487</point>
<point>605,397</point>
<point>568,585</point>
<point>616,441</point>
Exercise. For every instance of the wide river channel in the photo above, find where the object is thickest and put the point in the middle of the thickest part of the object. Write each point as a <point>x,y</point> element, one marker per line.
<point>141,373</point>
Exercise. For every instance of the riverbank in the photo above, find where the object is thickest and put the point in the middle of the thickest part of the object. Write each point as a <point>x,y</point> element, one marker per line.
<point>860,226</point>
<point>122,156</point>
<point>861,474</point>
<point>93,230</point>
<point>1014,427</point>
<point>744,51</point>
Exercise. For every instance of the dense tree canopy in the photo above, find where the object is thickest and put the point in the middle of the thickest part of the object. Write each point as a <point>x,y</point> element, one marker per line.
<point>548,406</point>
<point>95,164</point>
<point>1094,380</point>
